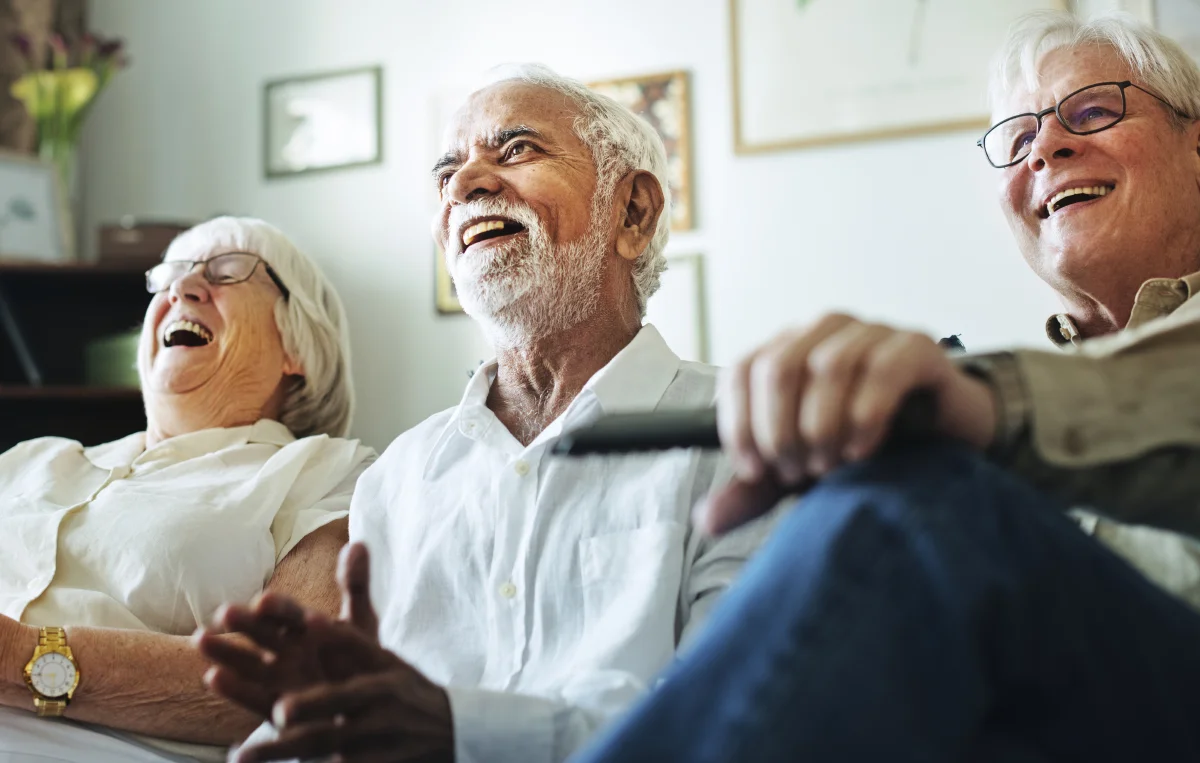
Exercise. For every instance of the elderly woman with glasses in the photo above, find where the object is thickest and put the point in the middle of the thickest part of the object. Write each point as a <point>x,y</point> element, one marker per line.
<point>112,555</point>
<point>931,601</point>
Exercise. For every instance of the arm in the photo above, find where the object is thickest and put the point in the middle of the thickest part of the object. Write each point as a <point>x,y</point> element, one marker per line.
<point>1115,427</point>
<point>150,683</point>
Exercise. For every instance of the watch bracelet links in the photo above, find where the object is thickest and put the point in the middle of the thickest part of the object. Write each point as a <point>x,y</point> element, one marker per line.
<point>53,637</point>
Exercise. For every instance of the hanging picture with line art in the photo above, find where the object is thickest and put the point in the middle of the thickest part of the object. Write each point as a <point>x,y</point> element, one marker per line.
<point>811,72</point>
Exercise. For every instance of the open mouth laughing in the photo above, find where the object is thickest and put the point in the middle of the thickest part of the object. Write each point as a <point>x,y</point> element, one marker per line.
<point>184,333</point>
<point>489,230</point>
<point>1074,195</point>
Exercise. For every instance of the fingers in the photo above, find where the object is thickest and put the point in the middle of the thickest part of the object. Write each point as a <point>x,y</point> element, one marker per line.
<point>327,700</point>
<point>835,366</point>
<point>354,578</point>
<point>808,401</point>
<point>733,421</point>
<point>270,620</point>
<point>252,695</point>
<point>900,364</point>
<point>738,503</point>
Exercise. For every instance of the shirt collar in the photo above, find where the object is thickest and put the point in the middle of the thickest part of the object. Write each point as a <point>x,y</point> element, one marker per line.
<point>127,450</point>
<point>635,379</point>
<point>1157,298</point>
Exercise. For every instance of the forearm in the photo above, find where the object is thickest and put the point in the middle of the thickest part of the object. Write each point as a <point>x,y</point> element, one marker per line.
<point>1116,431</point>
<point>1160,488</point>
<point>137,681</point>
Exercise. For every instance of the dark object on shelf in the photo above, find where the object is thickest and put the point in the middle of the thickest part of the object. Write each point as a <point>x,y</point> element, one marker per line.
<point>55,312</point>
<point>137,243</point>
<point>663,430</point>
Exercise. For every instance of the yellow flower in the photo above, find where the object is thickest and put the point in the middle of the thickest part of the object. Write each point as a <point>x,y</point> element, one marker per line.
<point>45,92</point>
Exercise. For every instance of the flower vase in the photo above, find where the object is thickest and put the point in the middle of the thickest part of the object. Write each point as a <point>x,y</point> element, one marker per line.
<point>62,154</point>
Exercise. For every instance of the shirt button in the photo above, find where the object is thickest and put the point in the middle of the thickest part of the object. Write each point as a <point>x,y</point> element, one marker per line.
<point>521,468</point>
<point>508,590</point>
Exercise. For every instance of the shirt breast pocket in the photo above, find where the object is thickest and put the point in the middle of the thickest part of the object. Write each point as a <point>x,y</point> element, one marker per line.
<point>630,584</point>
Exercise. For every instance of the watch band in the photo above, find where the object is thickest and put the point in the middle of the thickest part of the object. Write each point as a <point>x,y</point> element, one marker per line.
<point>52,637</point>
<point>50,708</point>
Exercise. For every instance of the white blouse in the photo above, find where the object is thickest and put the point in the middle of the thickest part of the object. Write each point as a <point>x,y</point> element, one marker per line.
<point>123,536</point>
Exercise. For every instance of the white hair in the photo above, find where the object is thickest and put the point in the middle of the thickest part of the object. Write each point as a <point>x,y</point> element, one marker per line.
<point>311,322</point>
<point>620,142</point>
<point>1157,62</point>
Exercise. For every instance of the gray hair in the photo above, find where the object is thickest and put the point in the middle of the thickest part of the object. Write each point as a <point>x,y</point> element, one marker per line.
<point>311,322</point>
<point>620,142</point>
<point>1156,61</point>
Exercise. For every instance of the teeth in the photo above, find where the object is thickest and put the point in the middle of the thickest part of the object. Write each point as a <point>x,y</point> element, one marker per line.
<point>478,229</point>
<point>195,328</point>
<point>1098,190</point>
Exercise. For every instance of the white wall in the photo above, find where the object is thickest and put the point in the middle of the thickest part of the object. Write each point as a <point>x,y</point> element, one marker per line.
<point>904,230</point>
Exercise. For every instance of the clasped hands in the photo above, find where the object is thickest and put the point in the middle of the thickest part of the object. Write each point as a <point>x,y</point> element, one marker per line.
<point>328,686</point>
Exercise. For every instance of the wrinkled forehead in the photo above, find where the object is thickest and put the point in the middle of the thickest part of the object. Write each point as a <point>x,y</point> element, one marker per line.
<point>1058,73</point>
<point>491,113</point>
<point>207,241</point>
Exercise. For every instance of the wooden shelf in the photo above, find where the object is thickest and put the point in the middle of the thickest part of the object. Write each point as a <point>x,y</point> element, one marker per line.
<point>68,392</point>
<point>69,269</point>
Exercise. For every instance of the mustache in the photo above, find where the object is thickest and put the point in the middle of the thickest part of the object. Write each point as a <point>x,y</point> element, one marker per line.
<point>515,211</point>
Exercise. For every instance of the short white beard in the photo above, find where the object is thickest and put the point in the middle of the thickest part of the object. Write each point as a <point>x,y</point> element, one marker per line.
<point>529,288</point>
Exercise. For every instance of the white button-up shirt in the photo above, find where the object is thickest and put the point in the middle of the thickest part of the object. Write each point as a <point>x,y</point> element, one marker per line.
<point>546,593</point>
<point>124,536</point>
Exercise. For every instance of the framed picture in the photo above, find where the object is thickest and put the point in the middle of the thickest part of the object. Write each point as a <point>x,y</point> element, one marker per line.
<point>678,308</point>
<point>810,72</point>
<point>1179,20</point>
<point>663,101</point>
<point>322,122</point>
<point>35,221</point>
<point>445,298</point>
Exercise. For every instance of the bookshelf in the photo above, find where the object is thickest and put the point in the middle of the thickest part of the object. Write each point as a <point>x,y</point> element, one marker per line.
<point>48,315</point>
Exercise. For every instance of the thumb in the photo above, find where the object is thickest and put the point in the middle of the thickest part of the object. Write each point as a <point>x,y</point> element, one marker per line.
<point>354,580</point>
<point>738,502</point>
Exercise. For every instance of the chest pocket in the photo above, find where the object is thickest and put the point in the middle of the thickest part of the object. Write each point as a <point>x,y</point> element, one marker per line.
<point>631,583</point>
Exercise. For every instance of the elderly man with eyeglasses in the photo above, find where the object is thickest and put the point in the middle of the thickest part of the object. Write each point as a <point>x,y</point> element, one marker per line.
<point>933,602</point>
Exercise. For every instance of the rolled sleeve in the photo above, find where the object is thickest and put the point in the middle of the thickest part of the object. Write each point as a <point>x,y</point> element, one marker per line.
<point>1115,425</point>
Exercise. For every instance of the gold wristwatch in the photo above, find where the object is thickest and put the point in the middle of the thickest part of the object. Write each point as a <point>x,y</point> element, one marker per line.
<point>52,674</point>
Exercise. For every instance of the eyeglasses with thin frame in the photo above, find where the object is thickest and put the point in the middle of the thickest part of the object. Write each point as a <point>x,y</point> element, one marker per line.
<point>1086,111</point>
<point>223,269</point>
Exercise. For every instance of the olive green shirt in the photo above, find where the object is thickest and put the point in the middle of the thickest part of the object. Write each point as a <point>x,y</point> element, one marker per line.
<point>1113,425</point>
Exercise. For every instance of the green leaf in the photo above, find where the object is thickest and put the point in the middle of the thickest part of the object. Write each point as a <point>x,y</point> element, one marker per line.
<point>802,4</point>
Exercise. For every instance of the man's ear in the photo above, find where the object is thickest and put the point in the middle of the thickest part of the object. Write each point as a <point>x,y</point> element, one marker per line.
<point>641,199</point>
<point>292,367</point>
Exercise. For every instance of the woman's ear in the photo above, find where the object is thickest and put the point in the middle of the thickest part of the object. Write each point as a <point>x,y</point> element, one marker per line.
<point>642,201</point>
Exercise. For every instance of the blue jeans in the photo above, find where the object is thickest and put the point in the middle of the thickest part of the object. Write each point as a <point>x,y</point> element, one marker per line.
<point>927,606</point>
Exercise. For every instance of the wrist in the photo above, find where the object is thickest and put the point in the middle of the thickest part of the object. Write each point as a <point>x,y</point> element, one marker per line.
<point>17,642</point>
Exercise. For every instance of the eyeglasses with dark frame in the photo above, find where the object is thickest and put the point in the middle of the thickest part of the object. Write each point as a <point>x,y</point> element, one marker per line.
<point>221,270</point>
<point>1086,111</point>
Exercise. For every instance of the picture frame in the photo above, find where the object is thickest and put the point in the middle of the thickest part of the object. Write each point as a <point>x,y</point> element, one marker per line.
<point>323,122</point>
<point>35,218</point>
<point>664,100</point>
<point>679,308</point>
<point>445,298</point>
<point>823,77</point>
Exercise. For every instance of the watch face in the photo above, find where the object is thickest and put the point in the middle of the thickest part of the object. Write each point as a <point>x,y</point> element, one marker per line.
<point>52,675</point>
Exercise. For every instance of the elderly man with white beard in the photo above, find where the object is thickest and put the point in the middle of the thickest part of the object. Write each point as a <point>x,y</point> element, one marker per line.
<point>522,600</point>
